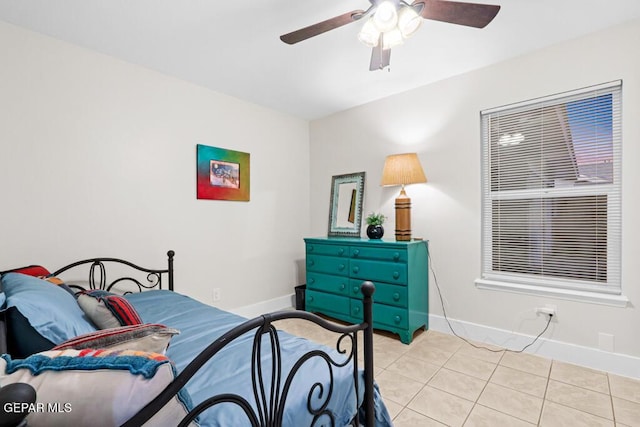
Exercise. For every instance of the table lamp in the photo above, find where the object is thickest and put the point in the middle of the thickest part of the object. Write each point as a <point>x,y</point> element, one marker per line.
<point>402,169</point>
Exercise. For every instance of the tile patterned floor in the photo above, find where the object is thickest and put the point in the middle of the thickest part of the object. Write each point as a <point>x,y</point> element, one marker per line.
<point>439,380</point>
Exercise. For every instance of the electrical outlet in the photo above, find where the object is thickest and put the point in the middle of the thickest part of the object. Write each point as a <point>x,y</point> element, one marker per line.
<point>216,294</point>
<point>548,310</point>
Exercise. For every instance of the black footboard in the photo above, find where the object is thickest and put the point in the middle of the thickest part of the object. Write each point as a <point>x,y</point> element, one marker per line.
<point>271,400</point>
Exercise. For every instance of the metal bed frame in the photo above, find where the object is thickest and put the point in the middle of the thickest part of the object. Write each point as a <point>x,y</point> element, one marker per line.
<point>271,393</point>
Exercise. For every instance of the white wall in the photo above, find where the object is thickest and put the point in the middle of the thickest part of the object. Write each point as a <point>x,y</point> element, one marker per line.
<point>98,159</point>
<point>441,122</point>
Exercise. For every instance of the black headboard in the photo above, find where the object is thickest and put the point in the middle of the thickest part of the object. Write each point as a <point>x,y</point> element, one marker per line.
<point>98,278</point>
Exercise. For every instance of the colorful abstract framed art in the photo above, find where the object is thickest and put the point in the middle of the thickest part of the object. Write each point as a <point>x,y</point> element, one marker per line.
<point>222,174</point>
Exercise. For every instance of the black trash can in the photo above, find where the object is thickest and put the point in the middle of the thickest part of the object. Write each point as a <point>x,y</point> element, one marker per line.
<point>300,296</point>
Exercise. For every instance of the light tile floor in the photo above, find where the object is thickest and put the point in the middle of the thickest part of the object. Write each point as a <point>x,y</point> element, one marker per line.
<point>440,380</point>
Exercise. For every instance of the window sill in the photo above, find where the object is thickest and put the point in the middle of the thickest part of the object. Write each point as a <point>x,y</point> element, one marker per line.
<point>568,294</point>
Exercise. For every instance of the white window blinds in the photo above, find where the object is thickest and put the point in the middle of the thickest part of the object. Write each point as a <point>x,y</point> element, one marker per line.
<point>551,191</point>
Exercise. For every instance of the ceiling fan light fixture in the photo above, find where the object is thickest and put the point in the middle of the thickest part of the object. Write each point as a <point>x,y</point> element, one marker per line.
<point>387,23</point>
<point>386,16</point>
<point>391,39</point>
<point>408,21</point>
<point>369,34</point>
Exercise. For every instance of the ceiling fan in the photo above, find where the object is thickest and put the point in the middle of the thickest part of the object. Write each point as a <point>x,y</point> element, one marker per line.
<point>390,22</point>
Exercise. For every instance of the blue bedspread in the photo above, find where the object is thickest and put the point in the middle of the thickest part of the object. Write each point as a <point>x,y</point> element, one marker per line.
<point>230,370</point>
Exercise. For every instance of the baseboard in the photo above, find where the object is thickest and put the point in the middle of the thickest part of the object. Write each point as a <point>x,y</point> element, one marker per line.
<point>284,302</point>
<point>616,363</point>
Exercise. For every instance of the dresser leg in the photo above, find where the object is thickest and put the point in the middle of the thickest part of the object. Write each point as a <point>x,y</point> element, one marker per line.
<point>406,337</point>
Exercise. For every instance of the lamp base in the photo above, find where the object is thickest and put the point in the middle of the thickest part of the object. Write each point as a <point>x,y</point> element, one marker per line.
<point>403,217</point>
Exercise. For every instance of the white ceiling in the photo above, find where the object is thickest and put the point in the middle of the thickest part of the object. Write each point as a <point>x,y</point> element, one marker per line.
<point>233,47</point>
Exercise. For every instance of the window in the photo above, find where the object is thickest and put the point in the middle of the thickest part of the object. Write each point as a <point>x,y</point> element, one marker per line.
<point>551,194</point>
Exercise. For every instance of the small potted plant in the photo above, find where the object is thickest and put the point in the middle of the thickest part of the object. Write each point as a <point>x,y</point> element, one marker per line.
<point>375,221</point>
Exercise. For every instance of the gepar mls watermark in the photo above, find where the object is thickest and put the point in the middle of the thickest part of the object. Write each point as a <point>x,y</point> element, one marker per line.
<point>49,407</point>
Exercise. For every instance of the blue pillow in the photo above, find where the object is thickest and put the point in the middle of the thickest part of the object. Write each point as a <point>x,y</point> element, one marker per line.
<point>50,310</point>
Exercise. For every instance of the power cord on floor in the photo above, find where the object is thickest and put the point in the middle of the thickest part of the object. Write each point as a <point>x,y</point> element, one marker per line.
<point>444,312</point>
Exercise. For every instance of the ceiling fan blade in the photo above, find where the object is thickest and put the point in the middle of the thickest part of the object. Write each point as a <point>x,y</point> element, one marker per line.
<point>322,27</point>
<point>469,14</point>
<point>380,57</point>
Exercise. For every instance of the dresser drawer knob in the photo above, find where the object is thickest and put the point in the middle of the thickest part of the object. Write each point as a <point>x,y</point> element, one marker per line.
<point>356,269</point>
<point>356,289</point>
<point>356,252</point>
<point>340,251</point>
<point>356,310</point>
<point>310,248</point>
<point>396,296</point>
<point>311,262</point>
<point>341,267</point>
<point>396,256</point>
<point>396,274</point>
<point>397,319</point>
<point>343,287</point>
<point>312,280</point>
<point>310,298</point>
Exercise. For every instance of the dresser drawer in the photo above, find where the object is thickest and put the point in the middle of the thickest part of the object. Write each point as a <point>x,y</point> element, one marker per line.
<point>391,316</point>
<point>381,254</point>
<point>378,271</point>
<point>382,314</point>
<point>356,309</point>
<point>384,294</point>
<point>327,283</point>
<point>331,250</point>
<point>328,264</point>
<point>326,303</point>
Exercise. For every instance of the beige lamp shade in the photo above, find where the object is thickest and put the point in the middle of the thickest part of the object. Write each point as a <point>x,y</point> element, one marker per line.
<point>402,169</point>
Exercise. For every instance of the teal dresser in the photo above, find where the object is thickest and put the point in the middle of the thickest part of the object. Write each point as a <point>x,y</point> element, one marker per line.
<point>336,267</point>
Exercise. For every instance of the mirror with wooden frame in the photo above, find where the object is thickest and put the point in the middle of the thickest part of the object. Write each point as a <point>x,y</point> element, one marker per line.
<point>345,205</point>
